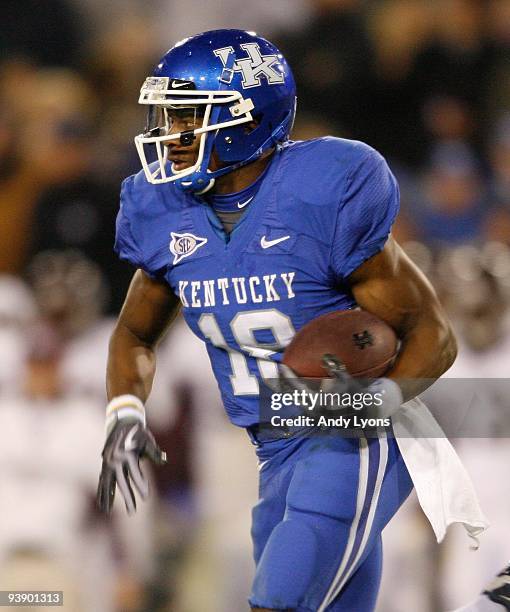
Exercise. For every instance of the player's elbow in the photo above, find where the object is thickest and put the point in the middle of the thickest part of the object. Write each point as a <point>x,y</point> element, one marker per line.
<point>434,336</point>
<point>450,350</point>
<point>447,346</point>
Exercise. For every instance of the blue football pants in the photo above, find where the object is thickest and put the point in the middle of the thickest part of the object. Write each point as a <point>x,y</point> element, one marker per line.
<point>323,502</point>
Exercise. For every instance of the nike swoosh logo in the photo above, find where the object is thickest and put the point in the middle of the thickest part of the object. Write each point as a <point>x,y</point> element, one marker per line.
<point>239,205</point>
<point>129,443</point>
<point>176,85</point>
<point>266,244</point>
<point>262,464</point>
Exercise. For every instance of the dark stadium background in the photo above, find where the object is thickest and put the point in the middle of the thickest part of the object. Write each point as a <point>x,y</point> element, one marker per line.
<point>426,83</point>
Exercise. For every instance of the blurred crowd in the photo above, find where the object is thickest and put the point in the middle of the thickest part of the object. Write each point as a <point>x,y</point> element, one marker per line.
<point>426,83</point>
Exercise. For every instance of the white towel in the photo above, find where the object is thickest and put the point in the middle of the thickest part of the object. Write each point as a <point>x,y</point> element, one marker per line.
<point>444,488</point>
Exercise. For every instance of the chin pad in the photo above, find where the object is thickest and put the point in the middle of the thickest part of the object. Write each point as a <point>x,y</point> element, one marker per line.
<point>198,183</point>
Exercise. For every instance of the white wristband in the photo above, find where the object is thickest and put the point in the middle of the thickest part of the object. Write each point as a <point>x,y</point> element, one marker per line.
<point>124,407</point>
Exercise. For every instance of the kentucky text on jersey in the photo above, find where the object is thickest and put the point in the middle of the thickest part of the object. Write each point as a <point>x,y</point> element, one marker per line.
<point>239,290</point>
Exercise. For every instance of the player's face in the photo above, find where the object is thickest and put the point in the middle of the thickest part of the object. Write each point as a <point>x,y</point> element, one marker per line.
<point>183,156</point>
<point>183,120</point>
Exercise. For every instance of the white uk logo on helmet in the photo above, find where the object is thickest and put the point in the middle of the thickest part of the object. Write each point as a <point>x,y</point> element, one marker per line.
<point>184,245</point>
<point>251,67</point>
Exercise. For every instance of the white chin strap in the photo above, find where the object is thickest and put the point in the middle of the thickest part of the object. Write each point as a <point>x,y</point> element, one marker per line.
<point>210,185</point>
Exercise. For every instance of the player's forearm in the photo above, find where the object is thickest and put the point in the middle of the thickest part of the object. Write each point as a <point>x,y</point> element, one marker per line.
<point>131,365</point>
<point>428,350</point>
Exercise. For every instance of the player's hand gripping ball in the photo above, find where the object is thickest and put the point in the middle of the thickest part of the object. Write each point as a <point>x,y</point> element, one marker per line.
<point>345,345</point>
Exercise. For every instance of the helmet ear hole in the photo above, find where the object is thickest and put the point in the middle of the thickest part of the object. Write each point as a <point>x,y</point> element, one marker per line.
<point>253,125</point>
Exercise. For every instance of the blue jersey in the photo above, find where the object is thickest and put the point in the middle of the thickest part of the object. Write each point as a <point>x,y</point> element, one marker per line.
<point>323,208</point>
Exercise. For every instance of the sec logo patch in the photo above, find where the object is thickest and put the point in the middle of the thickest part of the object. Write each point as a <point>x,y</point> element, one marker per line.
<point>184,245</point>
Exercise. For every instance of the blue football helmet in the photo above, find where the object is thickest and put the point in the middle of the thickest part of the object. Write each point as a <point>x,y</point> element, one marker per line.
<point>230,78</point>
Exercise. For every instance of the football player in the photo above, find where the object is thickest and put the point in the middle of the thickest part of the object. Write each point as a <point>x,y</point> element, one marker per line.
<point>253,235</point>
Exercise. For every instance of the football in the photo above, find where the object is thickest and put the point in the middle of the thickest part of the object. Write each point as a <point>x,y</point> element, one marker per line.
<point>363,343</point>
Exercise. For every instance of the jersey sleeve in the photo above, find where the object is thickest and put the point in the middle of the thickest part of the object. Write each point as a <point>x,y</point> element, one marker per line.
<point>365,216</point>
<point>125,243</point>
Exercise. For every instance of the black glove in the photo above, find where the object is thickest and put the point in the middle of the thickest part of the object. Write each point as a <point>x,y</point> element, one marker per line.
<point>340,381</point>
<point>386,389</point>
<point>127,443</point>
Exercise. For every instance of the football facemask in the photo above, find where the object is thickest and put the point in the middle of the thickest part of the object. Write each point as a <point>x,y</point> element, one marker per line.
<point>201,109</point>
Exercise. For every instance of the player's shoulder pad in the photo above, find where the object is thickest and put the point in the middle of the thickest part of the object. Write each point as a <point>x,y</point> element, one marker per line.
<point>321,170</point>
<point>325,163</point>
<point>318,176</point>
